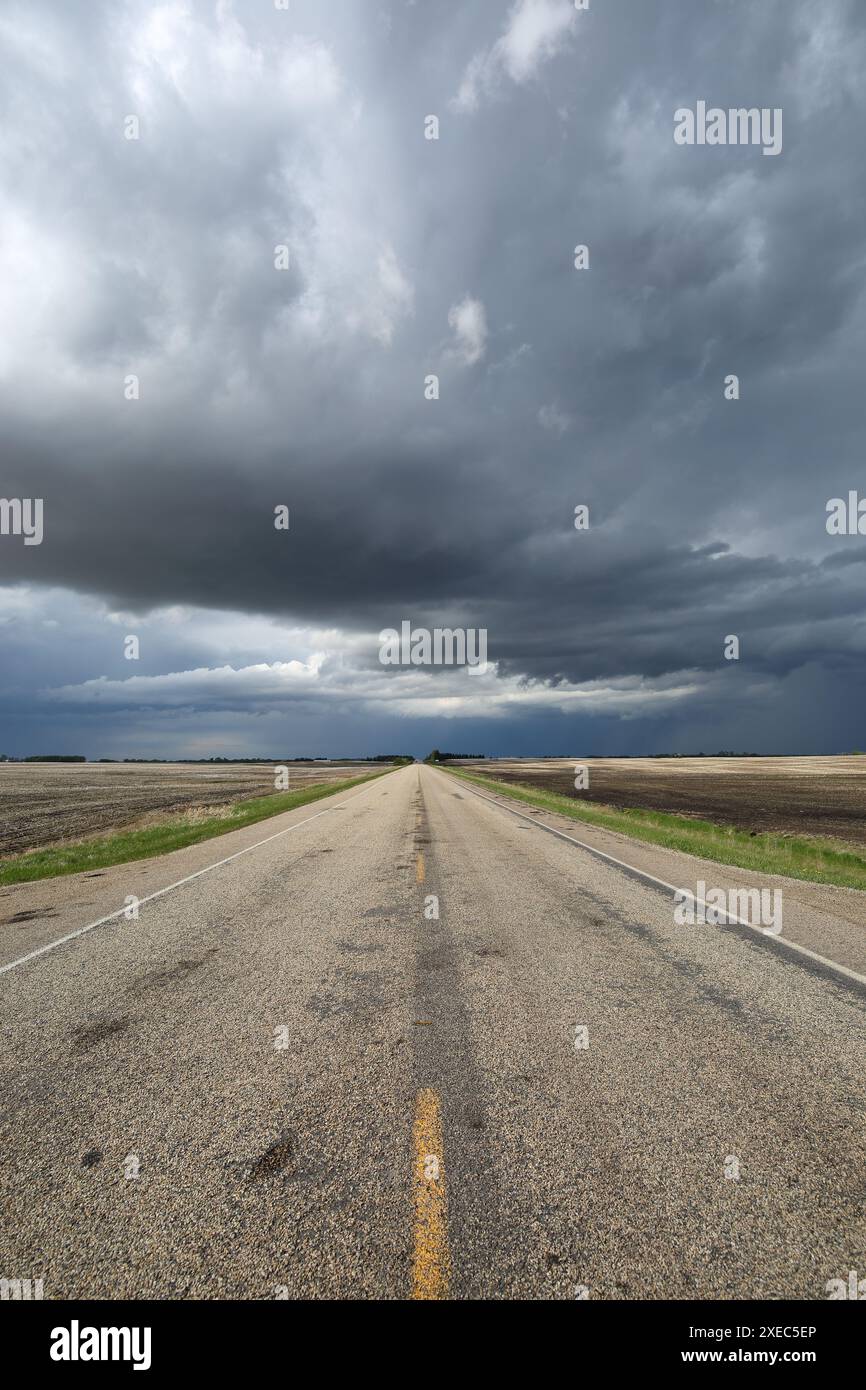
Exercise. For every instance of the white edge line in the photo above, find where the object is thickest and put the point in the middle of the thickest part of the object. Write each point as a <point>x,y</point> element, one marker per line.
<point>160,892</point>
<point>661,883</point>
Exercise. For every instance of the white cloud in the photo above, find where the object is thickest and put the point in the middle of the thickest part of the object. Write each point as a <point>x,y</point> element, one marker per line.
<point>211,63</point>
<point>536,31</point>
<point>201,666</point>
<point>469,323</point>
<point>343,678</point>
<point>826,68</point>
<point>162,274</point>
<point>554,420</point>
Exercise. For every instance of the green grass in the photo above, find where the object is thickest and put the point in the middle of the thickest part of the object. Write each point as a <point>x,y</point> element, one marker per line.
<point>122,846</point>
<point>793,856</point>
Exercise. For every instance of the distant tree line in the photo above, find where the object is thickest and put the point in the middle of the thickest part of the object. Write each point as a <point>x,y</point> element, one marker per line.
<point>437,757</point>
<point>55,758</point>
<point>276,762</point>
<point>620,757</point>
<point>159,762</point>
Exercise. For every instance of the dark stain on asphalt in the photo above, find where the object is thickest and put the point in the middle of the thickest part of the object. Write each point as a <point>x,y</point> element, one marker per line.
<point>434,959</point>
<point>277,1158</point>
<point>91,1158</point>
<point>92,1033</point>
<point>636,929</point>
<point>155,979</point>
<point>350,992</point>
<point>691,969</point>
<point>31,916</point>
<point>713,995</point>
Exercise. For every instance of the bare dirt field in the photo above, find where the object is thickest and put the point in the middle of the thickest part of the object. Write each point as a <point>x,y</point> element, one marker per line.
<point>43,803</point>
<point>805,796</point>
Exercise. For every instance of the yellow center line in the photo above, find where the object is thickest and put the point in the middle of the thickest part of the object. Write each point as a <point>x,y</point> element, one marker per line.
<point>419,867</point>
<point>430,1266</point>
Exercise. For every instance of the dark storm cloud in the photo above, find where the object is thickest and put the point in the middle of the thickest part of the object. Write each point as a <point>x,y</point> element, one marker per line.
<point>305,387</point>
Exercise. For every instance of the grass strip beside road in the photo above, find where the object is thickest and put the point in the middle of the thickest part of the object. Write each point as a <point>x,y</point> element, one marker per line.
<point>176,832</point>
<point>790,855</point>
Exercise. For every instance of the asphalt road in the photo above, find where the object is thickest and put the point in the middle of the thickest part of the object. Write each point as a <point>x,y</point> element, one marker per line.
<point>288,1076</point>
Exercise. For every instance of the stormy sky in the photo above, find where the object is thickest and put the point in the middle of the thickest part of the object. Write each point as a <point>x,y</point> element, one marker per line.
<point>303,127</point>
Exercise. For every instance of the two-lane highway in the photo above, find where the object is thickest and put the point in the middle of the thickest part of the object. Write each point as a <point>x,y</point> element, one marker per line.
<point>408,1044</point>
